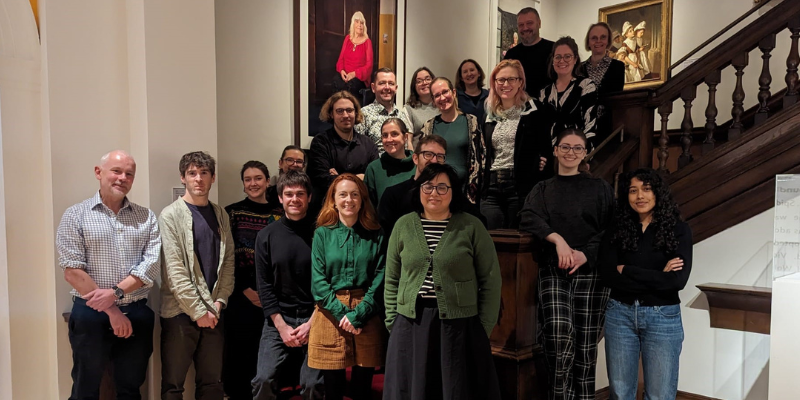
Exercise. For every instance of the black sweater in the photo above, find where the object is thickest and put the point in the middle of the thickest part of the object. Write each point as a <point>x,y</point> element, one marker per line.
<point>283,268</point>
<point>577,207</point>
<point>643,277</point>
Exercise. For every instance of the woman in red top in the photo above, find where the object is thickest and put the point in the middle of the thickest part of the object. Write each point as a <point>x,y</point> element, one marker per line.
<point>354,67</point>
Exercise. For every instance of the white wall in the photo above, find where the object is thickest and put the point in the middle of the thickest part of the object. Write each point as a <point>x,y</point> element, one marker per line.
<point>28,368</point>
<point>254,88</point>
<point>443,33</point>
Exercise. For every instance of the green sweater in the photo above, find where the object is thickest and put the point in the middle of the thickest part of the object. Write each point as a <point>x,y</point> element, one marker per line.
<point>466,272</point>
<point>348,258</point>
<point>387,171</point>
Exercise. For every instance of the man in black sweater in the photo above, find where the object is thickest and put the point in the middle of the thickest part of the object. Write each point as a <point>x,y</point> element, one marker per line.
<point>396,200</point>
<point>283,277</point>
<point>533,53</point>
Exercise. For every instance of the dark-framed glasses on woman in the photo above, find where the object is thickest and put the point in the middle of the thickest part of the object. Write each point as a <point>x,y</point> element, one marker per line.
<point>441,188</point>
<point>564,148</point>
<point>565,57</point>
<point>291,161</point>
<point>429,155</point>
<point>510,80</point>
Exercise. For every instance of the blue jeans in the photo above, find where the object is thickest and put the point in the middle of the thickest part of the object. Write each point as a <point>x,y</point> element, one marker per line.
<point>655,332</point>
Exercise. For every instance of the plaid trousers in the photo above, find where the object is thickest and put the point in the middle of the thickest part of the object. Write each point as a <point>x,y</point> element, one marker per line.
<point>572,310</point>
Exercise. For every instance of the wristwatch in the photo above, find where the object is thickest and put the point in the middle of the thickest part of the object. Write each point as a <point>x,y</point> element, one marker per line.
<point>118,292</point>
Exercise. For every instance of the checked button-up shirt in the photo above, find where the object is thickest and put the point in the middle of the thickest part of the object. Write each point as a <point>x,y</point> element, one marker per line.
<point>109,246</point>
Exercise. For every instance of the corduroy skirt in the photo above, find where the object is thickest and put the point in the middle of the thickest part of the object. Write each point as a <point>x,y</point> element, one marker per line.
<point>432,358</point>
<point>330,347</point>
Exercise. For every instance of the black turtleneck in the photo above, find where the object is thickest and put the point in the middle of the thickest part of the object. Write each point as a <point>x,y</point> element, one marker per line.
<point>283,268</point>
<point>577,207</point>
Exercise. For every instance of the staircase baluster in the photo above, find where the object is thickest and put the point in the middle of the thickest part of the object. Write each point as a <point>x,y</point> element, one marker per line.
<point>766,45</point>
<point>663,153</point>
<point>712,80</point>
<point>738,62</point>
<point>791,65</point>
<point>688,94</point>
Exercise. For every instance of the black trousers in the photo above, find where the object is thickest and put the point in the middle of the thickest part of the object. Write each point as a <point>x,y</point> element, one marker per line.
<point>280,365</point>
<point>501,203</point>
<point>183,342</point>
<point>94,345</point>
<point>354,86</point>
<point>243,325</point>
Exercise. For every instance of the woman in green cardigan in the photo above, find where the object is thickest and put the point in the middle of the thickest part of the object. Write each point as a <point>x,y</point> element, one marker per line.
<point>347,265</point>
<point>442,297</point>
<point>395,165</point>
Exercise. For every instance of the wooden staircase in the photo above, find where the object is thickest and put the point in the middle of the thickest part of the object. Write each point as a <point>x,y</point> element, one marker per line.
<point>725,172</point>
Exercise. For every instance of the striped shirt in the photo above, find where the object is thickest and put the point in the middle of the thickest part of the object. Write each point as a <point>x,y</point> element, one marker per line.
<point>109,246</point>
<point>433,233</point>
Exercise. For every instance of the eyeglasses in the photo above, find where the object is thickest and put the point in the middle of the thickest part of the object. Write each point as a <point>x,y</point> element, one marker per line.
<point>511,80</point>
<point>441,188</point>
<point>576,149</point>
<point>565,57</point>
<point>342,111</point>
<point>424,80</point>
<point>442,93</point>
<point>291,161</point>
<point>428,155</point>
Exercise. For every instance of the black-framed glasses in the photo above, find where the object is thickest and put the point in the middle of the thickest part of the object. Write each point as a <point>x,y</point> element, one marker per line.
<point>565,57</point>
<point>565,148</point>
<point>295,161</point>
<point>429,155</point>
<point>442,93</point>
<point>342,111</point>
<point>441,188</point>
<point>510,80</point>
<point>424,80</point>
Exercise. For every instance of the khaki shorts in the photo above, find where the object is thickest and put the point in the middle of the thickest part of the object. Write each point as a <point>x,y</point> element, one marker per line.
<point>330,347</point>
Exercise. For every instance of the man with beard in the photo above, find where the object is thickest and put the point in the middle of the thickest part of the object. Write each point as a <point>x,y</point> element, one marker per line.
<point>283,275</point>
<point>339,149</point>
<point>534,51</point>
<point>384,85</point>
<point>198,257</point>
<point>109,249</point>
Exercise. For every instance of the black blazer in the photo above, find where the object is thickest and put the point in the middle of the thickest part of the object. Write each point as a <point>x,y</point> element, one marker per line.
<point>531,141</point>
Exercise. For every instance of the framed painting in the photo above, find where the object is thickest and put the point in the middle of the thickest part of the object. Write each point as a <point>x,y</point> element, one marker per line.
<point>642,33</point>
<point>354,36</point>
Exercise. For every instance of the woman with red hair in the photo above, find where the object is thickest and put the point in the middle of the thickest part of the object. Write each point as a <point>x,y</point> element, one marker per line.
<point>515,148</point>
<point>347,270</point>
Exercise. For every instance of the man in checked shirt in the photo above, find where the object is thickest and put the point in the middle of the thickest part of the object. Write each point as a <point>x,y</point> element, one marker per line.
<point>109,250</point>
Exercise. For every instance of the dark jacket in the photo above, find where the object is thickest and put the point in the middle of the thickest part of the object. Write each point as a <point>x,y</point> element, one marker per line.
<point>613,82</point>
<point>531,142</point>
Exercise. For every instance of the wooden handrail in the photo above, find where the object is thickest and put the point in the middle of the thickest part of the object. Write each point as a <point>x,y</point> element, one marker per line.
<point>720,57</point>
<point>619,131</point>
<point>717,36</point>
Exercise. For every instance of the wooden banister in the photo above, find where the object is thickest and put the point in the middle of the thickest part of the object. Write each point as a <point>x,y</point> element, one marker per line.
<point>747,39</point>
<point>718,35</point>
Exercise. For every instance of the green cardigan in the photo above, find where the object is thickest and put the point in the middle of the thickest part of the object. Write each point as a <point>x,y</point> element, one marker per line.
<point>466,271</point>
<point>387,171</point>
<point>348,258</point>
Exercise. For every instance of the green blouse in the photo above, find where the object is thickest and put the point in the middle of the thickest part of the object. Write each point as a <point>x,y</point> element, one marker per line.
<point>348,258</point>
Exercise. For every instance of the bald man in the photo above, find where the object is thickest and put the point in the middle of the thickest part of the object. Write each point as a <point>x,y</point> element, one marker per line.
<point>109,251</point>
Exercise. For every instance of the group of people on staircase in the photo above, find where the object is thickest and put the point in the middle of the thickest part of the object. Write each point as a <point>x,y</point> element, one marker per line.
<point>373,248</point>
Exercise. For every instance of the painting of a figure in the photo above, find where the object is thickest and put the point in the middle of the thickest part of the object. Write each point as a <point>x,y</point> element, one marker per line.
<point>347,41</point>
<point>640,39</point>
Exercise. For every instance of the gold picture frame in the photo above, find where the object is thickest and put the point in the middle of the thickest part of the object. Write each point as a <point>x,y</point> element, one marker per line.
<point>642,37</point>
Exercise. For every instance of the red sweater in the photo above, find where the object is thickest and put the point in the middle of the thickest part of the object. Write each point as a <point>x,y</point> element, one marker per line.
<point>358,59</point>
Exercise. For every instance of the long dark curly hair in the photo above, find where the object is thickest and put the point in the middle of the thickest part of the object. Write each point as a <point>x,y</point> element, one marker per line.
<point>665,213</point>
